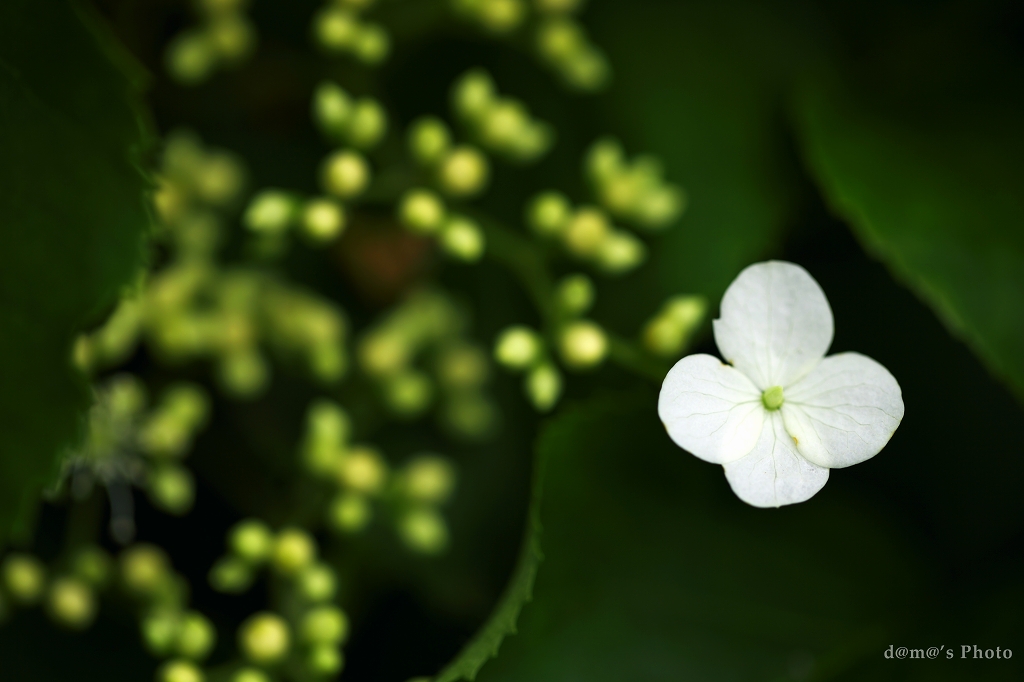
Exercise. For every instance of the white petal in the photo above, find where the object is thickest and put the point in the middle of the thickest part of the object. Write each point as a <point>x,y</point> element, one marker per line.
<point>711,409</point>
<point>774,474</point>
<point>775,324</point>
<point>844,411</point>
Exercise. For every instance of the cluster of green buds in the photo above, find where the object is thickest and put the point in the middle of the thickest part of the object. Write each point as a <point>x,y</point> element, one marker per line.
<point>669,332</point>
<point>360,475</point>
<point>501,125</point>
<point>69,593</point>
<point>224,38</point>
<point>580,343</point>
<point>586,233</point>
<point>427,332</point>
<point>170,630</point>
<point>634,191</point>
<point>313,629</point>
<point>339,28</point>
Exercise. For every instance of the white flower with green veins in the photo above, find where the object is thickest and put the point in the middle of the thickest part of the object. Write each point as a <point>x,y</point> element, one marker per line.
<point>780,414</point>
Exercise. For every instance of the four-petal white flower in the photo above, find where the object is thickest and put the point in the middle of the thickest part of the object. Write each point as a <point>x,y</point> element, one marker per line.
<point>780,414</point>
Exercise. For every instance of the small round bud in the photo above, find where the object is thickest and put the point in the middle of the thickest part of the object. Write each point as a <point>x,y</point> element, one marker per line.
<point>190,57</point>
<point>322,220</point>
<point>621,252</point>
<point>503,123</point>
<point>72,603</point>
<point>196,636</point>
<point>660,207</point>
<point>232,38</point>
<point>92,565</point>
<point>501,16</point>
<point>160,631</point>
<point>687,311</point>
<point>586,232</point>
<point>367,124</point>
<point>179,671</point>
<point>408,393</point>
<point>324,659</point>
<point>363,470</point>
<point>462,366</point>
<point>463,172</point>
<point>421,211</point>
<point>145,569</point>
<point>462,239</point>
<point>428,479</point>
<point>332,109</point>
<point>423,530</point>
<point>221,179</point>
<point>586,70</point>
<point>560,39</point>
<point>336,29</point>
<point>383,353</point>
<point>231,575</point>
<point>473,94</point>
<point>518,347</point>
<point>575,295</point>
<point>543,386</point>
<point>349,513</point>
<point>294,549</point>
<point>270,212</point>
<point>583,344</point>
<point>250,675</point>
<point>604,160</point>
<point>549,213</point>
<point>171,488</point>
<point>429,140</point>
<point>316,583</point>
<point>372,44</point>
<point>243,373</point>
<point>668,332</point>
<point>324,625</point>
<point>251,541</point>
<point>264,639</point>
<point>345,174</point>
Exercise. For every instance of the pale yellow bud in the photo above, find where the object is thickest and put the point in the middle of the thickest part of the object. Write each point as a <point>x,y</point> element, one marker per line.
<point>583,344</point>
<point>322,220</point>
<point>586,232</point>
<point>543,386</point>
<point>363,470</point>
<point>294,549</point>
<point>463,172</point>
<point>518,347</point>
<point>621,252</point>
<point>421,211</point>
<point>264,639</point>
<point>345,174</point>
<point>462,239</point>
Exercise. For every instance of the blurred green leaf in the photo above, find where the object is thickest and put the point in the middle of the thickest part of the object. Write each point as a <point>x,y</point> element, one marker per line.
<point>938,198</point>
<point>74,216</point>
<point>653,570</point>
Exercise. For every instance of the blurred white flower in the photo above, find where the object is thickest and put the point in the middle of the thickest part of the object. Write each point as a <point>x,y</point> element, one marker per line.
<point>780,414</point>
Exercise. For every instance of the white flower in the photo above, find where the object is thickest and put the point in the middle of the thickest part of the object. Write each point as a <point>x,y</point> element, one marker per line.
<point>780,414</point>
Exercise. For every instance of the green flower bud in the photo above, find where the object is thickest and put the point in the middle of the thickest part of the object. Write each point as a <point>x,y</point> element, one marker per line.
<point>668,332</point>
<point>316,583</point>
<point>383,353</point>
<point>423,530</point>
<point>575,295</point>
<point>231,575</point>
<point>543,386</point>
<point>336,29</point>
<point>324,625</point>
<point>264,639</point>
<point>463,172</point>
<point>251,541</point>
<point>462,239</point>
<point>243,373</point>
<point>621,252</point>
<point>363,470</point>
<point>469,414</point>
<point>160,631</point>
<point>518,347</point>
<point>190,58</point>
<point>171,488</point>
<point>502,123</point>
<point>473,94</point>
<point>324,660</point>
<point>270,212</point>
<point>72,603</point>
<point>232,37</point>
<point>586,70</point>
<point>549,213</point>
<point>328,362</point>
<point>345,174</point>
<point>660,207</point>
<point>145,569</point>
<point>250,675</point>
<point>179,671</point>
<point>560,39</point>
<point>462,366</point>
<point>583,344</point>
<point>429,140</point>
<point>586,232</point>
<point>372,44</point>
<point>294,549</point>
<point>428,479</point>
<point>196,636</point>
<point>421,211</point>
<point>408,393</point>
<point>604,160</point>
<point>367,124</point>
<point>322,220</point>
<point>349,513</point>
<point>501,16</point>
<point>332,109</point>
<point>92,565</point>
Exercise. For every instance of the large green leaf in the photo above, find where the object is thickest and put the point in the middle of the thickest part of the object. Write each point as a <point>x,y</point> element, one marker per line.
<point>939,198</point>
<point>74,216</point>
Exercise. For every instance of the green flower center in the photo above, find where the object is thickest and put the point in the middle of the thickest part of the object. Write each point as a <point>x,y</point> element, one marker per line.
<point>772,398</point>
